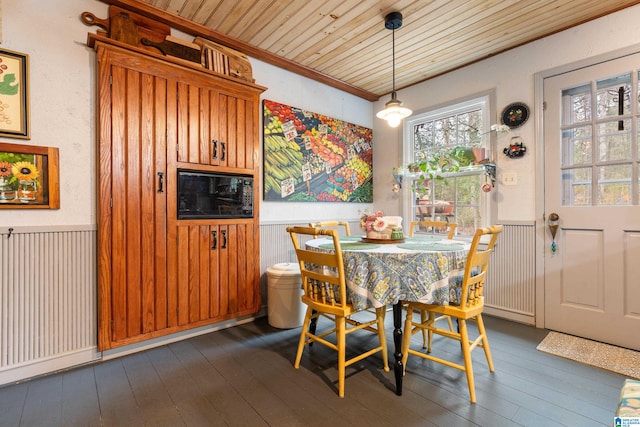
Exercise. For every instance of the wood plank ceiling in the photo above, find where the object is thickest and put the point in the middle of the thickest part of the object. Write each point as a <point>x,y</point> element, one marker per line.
<point>346,39</point>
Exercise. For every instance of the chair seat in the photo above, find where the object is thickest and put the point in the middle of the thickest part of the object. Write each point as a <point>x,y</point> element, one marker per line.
<point>452,310</point>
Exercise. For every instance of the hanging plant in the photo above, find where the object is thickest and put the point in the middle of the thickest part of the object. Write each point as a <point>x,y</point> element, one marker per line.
<point>438,164</point>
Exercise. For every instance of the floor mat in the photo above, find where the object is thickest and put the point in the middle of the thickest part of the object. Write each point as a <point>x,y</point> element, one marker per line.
<point>615,359</point>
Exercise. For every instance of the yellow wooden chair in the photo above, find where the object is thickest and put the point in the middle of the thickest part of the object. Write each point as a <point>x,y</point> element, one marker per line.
<point>469,307</point>
<point>332,224</point>
<point>434,227</point>
<point>325,294</point>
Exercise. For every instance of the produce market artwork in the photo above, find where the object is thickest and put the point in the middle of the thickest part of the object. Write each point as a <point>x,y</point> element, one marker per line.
<point>309,157</point>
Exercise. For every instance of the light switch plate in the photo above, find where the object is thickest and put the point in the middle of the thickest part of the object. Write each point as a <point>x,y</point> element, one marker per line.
<point>509,178</point>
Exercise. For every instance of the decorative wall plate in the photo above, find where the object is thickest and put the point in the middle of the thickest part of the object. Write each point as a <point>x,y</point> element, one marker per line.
<point>515,115</point>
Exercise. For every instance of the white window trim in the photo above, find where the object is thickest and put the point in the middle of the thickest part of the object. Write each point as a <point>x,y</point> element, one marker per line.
<point>486,101</point>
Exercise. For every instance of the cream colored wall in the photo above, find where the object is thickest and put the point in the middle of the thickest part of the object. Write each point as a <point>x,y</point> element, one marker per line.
<point>61,100</point>
<point>511,74</point>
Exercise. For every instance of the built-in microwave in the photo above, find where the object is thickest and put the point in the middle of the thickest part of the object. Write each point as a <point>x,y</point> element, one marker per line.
<point>206,195</point>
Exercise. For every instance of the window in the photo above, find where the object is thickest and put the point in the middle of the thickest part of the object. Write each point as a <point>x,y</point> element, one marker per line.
<point>457,196</point>
<point>600,150</point>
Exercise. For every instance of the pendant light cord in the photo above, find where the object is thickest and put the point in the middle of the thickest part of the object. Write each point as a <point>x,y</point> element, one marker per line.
<point>393,62</point>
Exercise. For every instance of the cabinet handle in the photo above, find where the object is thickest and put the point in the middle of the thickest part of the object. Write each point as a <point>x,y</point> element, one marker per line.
<point>224,150</point>
<point>224,239</point>
<point>215,240</point>
<point>214,154</point>
<point>160,182</point>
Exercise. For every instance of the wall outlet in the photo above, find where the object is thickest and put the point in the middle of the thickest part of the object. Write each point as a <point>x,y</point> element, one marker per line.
<point>509,178</point>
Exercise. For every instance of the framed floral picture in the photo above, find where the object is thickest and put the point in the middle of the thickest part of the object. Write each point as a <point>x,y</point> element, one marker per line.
<point>29,177</point>
<point>14,94</point>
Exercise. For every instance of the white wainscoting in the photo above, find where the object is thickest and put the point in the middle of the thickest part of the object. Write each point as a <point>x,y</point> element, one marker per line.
<point>510,288</point>
<point>47,300</point>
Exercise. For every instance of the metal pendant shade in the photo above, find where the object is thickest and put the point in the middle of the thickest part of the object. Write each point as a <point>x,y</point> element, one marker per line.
<point>393,111</point>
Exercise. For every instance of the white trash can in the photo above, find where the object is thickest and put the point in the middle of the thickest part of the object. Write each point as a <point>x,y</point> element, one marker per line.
<point>283,296</point>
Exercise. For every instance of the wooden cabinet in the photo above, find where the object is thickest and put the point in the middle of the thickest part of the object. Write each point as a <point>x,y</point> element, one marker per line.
<point>216,127</point>
<point>158,274</point>
<point>213,263</point>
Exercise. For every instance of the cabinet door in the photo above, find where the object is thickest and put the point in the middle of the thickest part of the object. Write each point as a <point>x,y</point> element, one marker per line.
<point>216,127</point>
<point>239,274</point>
<point>195,143</point>
<point>235,129</point>
<point>194,273</point>
<point>216,273</point>
<point>132,201</point>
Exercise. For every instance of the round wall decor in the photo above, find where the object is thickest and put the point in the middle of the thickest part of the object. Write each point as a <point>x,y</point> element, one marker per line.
<point>515,115</point>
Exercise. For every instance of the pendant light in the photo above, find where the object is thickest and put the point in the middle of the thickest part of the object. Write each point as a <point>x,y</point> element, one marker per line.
<point>393,111</point>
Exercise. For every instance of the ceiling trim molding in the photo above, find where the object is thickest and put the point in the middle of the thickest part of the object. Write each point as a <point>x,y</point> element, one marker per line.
<point>195,29</point>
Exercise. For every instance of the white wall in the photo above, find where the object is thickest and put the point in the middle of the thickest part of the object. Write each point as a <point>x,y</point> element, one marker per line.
<point>511,74</point>
<point>62,100</point>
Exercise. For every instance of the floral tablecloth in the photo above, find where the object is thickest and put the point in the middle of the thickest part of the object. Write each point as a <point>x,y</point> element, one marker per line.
<point>420,269</point>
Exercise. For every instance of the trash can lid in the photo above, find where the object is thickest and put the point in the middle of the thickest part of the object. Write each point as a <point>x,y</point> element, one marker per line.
<point>285,269</point>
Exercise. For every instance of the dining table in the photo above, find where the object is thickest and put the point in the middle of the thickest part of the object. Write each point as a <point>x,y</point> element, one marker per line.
<point>385,272</point>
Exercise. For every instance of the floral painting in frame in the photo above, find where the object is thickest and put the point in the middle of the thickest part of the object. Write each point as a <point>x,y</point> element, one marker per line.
<point>29,177</point>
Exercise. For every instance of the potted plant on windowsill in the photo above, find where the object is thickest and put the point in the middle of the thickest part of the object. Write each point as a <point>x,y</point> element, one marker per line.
<point>433,167</point>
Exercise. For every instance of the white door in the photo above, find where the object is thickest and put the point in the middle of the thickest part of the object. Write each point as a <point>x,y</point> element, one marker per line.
<point>592,279</point>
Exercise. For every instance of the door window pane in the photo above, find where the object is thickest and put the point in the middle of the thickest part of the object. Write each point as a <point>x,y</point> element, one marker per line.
<point>577,146</point>
<point>577,104</point>
<point>614,144</point>
<point>576,185</point>
<point>612,96</point>
<point>614,185</point>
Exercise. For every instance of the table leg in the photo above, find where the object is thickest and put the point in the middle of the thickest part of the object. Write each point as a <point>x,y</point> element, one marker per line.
<point>398,369</point>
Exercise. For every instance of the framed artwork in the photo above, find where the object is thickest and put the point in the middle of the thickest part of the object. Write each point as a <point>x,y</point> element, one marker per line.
<point>309,157</point>
<point>29,177</point>
<point>14,94</point>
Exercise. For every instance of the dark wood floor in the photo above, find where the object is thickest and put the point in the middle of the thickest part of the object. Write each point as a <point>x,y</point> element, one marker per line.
<point>244,376</point>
